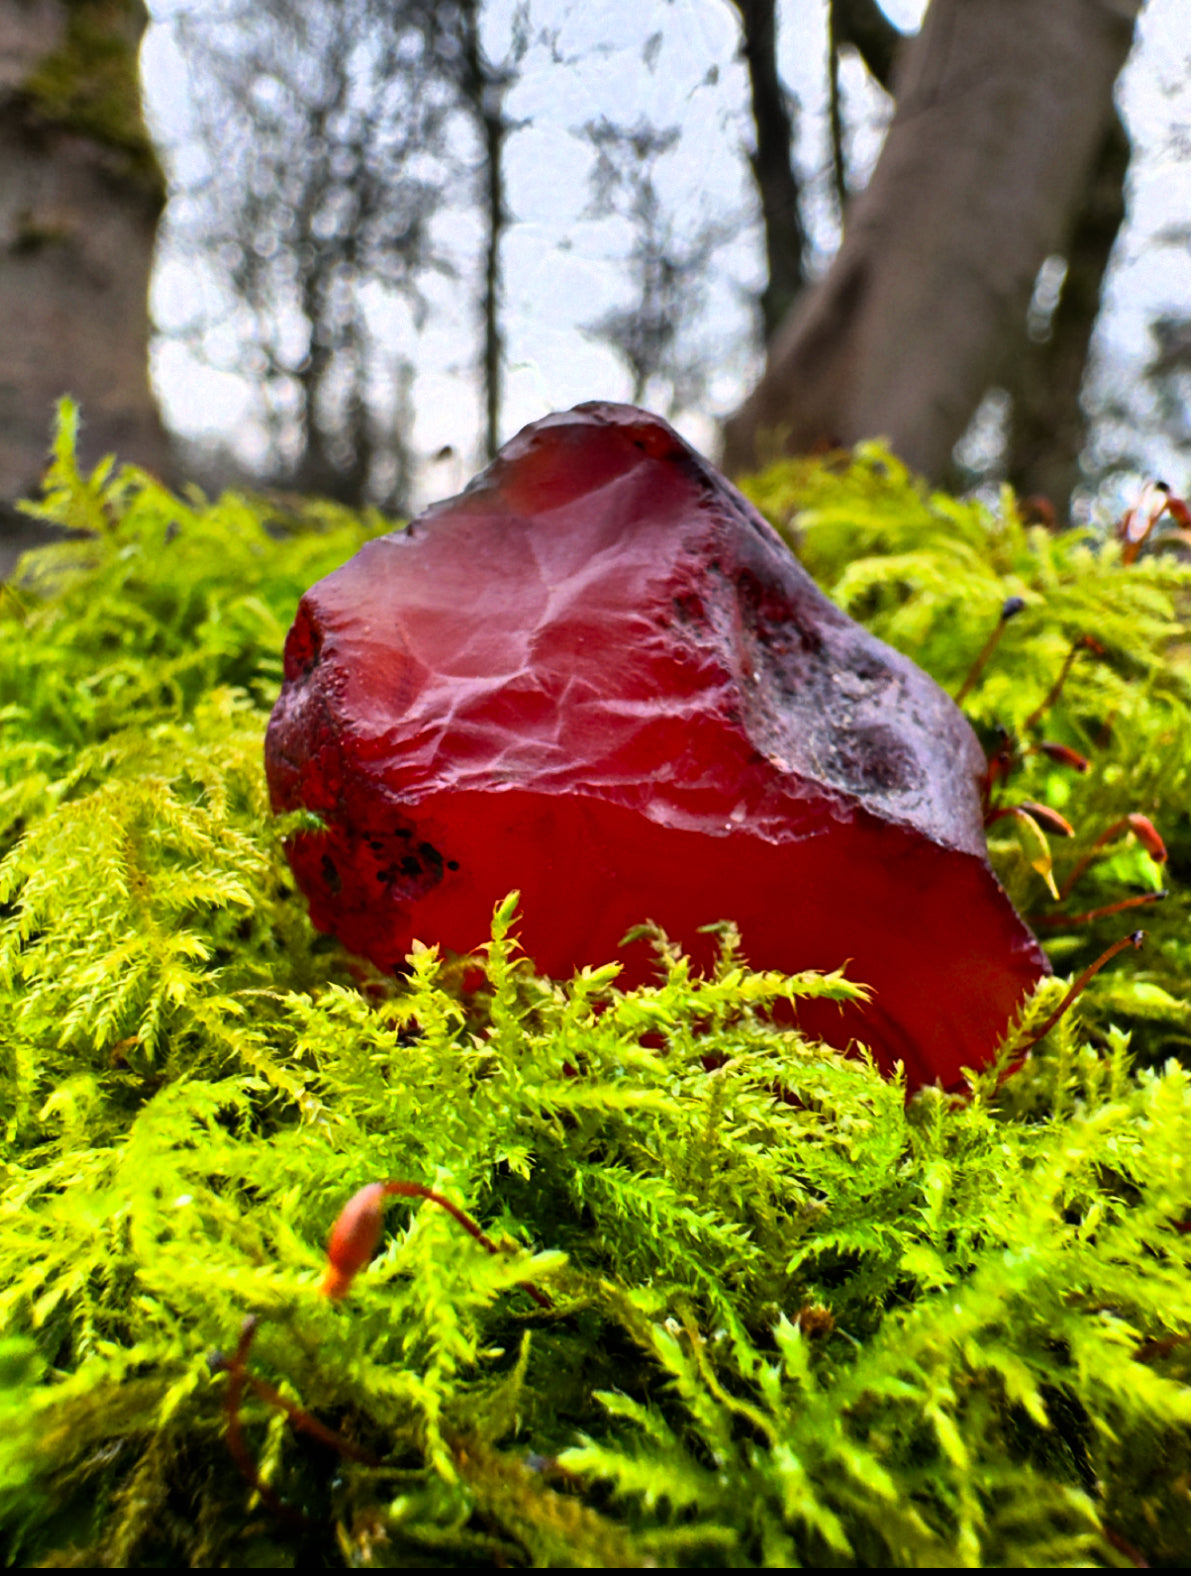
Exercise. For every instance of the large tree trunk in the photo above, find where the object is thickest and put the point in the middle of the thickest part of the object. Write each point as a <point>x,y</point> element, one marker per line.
<point>1001,108</point>
<point>1047,423</point>
<point>80,196</point>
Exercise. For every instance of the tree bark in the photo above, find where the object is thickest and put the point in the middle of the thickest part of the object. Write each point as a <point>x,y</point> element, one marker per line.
<point>1001,108</point>
<point>80,196</point>
<point>1047,424</point>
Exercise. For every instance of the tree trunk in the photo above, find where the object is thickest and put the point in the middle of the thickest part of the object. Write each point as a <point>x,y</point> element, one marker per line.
<point>1047,424</point>
<point>1001,108</point>
<point>483,87</point>
<point>80,196</point>
<point>496,219</point>
<point>772,164</point>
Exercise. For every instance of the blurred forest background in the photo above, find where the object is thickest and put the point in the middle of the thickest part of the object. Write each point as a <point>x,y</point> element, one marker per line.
<point>349,246</point>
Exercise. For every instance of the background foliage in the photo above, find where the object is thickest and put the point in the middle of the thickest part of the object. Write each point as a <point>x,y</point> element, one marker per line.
<point>793,1319</point>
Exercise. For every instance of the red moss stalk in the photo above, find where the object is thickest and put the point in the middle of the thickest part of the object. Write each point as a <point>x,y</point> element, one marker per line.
<point>237,1377</point>
<point>356,1233</point>
<point>1060,921</point>
<point>997,768</point>
<point>1061,754</point>
<point>1041,814</point>
<point>1138,523</point>
<point>1134,940</point>
<point>1012,607</point>
<point>1084,643</point>
<point>1140,825</point>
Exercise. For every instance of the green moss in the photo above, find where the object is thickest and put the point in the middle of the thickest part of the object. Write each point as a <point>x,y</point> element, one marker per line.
<point>792,1321</point>
<point>90,84</point>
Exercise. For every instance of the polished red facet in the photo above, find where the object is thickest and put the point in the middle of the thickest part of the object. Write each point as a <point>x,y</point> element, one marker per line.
<point>600,677</point>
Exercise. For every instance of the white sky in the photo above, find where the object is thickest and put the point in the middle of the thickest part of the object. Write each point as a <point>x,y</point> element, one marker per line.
<point>562,268</point>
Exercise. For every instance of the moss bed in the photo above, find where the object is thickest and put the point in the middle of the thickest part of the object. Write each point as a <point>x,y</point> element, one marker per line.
<point>747,1306</point>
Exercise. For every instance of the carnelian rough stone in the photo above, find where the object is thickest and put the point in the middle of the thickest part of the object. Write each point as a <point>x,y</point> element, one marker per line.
<point>599,676</point>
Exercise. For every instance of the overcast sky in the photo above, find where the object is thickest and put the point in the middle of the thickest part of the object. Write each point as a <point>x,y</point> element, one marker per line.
<point>563,267</point>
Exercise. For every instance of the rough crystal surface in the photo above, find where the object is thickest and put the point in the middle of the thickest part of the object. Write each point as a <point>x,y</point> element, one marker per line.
<point>599,676</point>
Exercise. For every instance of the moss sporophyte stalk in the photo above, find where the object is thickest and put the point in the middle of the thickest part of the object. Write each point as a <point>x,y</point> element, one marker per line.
<point>788,1318</point>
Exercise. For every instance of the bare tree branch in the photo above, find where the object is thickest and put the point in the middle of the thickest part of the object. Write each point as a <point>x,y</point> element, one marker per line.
<point>325,135</point>
<point>863,25</point>
<point>667,265</point>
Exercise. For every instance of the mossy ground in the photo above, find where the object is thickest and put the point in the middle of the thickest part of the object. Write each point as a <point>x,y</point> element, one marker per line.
<point>793,1319</point>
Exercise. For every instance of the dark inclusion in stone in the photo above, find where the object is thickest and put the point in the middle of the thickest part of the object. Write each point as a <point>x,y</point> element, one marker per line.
<point>598,675</point>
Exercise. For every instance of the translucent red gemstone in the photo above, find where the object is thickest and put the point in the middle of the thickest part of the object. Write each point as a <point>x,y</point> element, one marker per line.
<point>600,677</point>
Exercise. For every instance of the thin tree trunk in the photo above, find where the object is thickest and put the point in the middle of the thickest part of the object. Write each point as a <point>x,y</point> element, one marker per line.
<point>483,91</point>
<point>772,164</point>
<point>316,472</point>
<point>835,119</point>
<point>497,216</point>
<point>1001,107</point>
<point>1047,426</point>
<point>80,196</point>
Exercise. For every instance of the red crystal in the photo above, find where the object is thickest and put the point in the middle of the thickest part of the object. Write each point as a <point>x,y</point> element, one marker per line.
<point>599,676</point>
